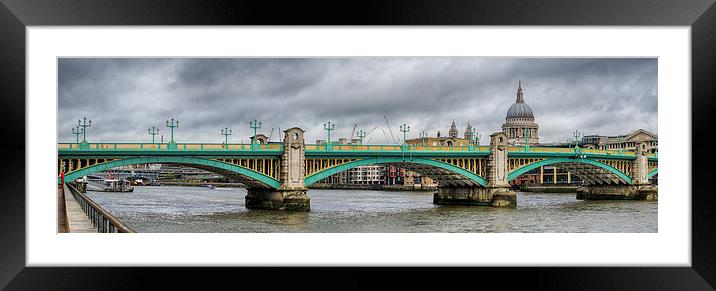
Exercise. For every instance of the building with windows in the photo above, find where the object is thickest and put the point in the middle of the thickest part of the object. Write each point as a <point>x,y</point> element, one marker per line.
<point>627,142</point>
<point>367,175</point>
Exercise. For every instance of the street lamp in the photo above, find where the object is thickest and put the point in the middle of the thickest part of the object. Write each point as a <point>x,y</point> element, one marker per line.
<point>477,139</point>
<point>329,127</point>
<point>361,135</point>
<point>226,132</point>
<point>576,141</point>
<point>77,133</point>
<point>255,125</point>
<point>153,131</point>
<point>84,124</point>
<point>172,125</point>
<point>527,140</point>
<point>405,129</point>
<point>423,136</point>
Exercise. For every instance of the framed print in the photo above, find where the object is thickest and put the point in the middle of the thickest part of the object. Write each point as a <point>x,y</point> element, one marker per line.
<point>266,142</point>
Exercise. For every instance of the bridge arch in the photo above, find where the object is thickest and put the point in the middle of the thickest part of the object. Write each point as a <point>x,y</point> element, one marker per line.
<point>516,173</point>
<point>395,160</point>
<point>653,173</point>
<point>255,178</point>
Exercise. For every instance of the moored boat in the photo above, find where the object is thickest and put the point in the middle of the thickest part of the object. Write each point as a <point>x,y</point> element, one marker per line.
<point>96,183</point>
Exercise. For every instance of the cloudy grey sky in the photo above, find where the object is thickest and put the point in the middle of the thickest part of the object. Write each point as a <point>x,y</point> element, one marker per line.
<point>124,97</point>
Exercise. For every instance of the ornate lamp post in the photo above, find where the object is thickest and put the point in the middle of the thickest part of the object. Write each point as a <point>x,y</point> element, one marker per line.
<point>153,131</point>
<point>361,135</point>
<point>84,125</point>
<point>255,125</point>
<point>405,129</point>
<point>527,140</point>
<point>329,127</point>
<point>576,141</point>
<point>172,125</point>
<point>226,132</point>
<point>423,136</point>
<point>621,144</point>
<point>77,133</point>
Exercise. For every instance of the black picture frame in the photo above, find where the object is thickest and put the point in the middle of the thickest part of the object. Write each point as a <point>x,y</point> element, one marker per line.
<point>16,15</point>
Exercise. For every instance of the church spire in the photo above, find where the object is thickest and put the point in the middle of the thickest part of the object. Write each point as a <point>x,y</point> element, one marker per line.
<point>453,130</point>
<point>520,97</point>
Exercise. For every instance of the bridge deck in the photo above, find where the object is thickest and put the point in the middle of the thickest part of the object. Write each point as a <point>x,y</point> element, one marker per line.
<point>77,221</point>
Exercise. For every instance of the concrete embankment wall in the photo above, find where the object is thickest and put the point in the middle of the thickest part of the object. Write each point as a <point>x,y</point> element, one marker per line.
<point>199,184</point>
<point>370,187</point>
<point>549,189</point>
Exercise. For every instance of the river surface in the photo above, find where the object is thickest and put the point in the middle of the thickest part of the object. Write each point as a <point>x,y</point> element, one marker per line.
<point>178,209</point>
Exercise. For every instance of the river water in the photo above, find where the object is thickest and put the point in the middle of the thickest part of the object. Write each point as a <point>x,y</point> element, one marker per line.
<point>177,209</point>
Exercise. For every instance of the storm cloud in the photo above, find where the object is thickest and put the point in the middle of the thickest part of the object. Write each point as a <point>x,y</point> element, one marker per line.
<point>125,96</point>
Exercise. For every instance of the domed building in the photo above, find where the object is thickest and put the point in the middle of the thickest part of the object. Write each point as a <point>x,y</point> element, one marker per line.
<point>520,122</point>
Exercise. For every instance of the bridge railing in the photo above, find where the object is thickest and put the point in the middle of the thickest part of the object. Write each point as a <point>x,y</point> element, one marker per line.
<point>165,146</point>
<point>394,148</point>
<point>101,218</point>
<point>323,147</point>
<point>538,149</point>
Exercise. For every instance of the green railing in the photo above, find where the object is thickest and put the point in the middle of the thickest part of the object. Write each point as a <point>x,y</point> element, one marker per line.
<point>395,148</point>
<point>164,146</point>
<point>333,148</point>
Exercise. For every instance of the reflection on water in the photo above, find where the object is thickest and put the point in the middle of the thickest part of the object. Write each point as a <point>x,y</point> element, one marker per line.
<point>195,209</point>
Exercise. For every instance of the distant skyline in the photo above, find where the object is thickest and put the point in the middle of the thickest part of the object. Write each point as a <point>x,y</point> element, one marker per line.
<point>125,97</point>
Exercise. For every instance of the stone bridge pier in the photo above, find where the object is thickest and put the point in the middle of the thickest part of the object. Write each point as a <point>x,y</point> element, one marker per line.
<point>292,195</point>
<point>639,189</point>
<point>496,193</point>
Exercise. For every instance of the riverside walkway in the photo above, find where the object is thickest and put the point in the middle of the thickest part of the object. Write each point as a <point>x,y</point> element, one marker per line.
<point>76,220</point>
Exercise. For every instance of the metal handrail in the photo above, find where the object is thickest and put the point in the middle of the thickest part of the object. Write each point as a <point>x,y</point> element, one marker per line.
<point>277,147</point>
<point>101,218</point>
<point>129,146</point>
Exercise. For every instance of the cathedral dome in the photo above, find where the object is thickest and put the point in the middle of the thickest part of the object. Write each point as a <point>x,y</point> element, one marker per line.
<point>520,110</point>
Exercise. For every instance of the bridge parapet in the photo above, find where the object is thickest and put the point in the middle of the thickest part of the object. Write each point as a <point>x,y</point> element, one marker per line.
<point>165,146</point>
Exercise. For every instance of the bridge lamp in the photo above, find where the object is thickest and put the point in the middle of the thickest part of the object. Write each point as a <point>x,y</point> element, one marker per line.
<point>77,133</point>
<point>255,125</point>
<point>405,129</point>
<point>226,132</point>
<point>172,125</point>
<point>84,124</point>
<point>329,127</point>
<point>361,135</point>
<point>153,131</point>
<point>472,136</point>
<point>576,138</point>
<point>423,136</point>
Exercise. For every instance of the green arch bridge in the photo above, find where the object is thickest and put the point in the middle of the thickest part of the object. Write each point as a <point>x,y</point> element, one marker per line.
<point>277,174</point>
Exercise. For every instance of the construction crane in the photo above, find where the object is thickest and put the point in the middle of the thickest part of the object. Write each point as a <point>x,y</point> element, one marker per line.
<point>353,132</point>
<point>389,129</point>
<point>271,134</point>
<point>373,130</point>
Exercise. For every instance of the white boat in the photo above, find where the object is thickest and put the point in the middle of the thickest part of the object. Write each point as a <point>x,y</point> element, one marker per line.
<point>96,183</point>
